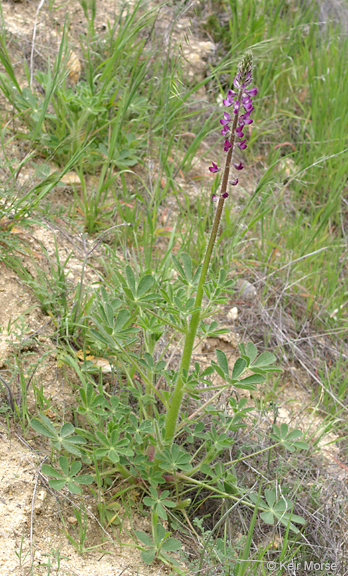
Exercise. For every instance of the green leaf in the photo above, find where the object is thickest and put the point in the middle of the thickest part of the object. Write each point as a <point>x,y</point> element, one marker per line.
<point>253,379</point>
<point>149,501</point>
<point>130,279</point>
<point>121,319</point>
<point>66,430</point>
<point>267,517</point>
<point>45,429</point>
<point>301,445</point>
<point>50,471</point>
<point>75,468</point>
<point>298,519</point>
<point>84,479</point>
<point>100,337</point>
<point>282,505</point>
<point>178,266</point>
<point>238,368</point>
<point>57,484</point>
<point>251,351</point>
<point>161,532</point>
<point>148,556</point>
<point>109,312</point>
<point>218,369</point>
<point>294,434</point>
<point>205,469</point>
<point>74,488</point>
<point>207,372</point>
<point>144,285</point>
<point>144,538</point>
<point>265,359</point>
<point>186,260</point>
<point>161,511</point>
<point>270,497</point>
<point>171,545</point>
<point>222,360</point>
<point>64,464</point>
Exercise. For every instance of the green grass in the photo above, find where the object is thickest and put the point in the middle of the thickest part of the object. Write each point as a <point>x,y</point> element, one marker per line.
<point>121,129</point>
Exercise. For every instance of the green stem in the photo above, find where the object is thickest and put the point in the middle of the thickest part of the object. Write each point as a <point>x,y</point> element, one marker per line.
<point>175,402</point>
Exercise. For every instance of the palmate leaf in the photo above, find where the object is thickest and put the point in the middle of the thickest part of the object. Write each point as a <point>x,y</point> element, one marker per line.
<point>277,512</point>
<point>176,458</point>
<point>288,440</point>
<point>63,439</point>
<point>69,476</point>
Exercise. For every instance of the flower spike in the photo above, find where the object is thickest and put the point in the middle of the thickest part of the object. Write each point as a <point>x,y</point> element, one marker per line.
<point>233,124</point>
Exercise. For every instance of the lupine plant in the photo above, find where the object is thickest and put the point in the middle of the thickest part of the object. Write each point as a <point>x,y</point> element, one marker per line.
<point>142,433</point>
<point>232,129</point>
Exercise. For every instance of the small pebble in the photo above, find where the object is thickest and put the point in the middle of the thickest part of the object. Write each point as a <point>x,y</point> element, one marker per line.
<point>232,314</point>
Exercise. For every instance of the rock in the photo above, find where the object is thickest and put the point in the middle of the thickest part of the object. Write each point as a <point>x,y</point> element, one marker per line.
<point>246,291</point>
<point>232,314</point>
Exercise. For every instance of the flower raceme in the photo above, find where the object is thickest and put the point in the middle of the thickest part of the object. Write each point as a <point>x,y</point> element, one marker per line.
<point>232,128</point>
<point>233,123</point>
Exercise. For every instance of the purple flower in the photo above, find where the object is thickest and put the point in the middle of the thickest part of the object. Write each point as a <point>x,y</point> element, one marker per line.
<point>236,82</point>
<point>225,130</point>
<point>252,92</point>
<point>227,145</point>
<point>236,106</point>
<point>238,166</point>
<point>249,78</point>
<point>226,119</point>
<point>241,145</point>
<point>224,195</point>
<point>214,198</point>
<point>214,168</point>
<point>229,99</point>
<point>233,182</point>
<point>239,129</point>
<point>246,100</point>
<point>244,118</point>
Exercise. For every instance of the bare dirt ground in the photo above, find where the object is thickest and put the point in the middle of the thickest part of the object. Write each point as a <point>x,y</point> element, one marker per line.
<point>30,526</point>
